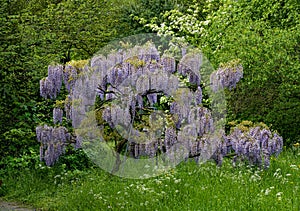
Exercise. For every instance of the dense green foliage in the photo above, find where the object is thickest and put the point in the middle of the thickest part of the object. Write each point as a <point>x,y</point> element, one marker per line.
<point>18,82</point>
<point>34,35</point>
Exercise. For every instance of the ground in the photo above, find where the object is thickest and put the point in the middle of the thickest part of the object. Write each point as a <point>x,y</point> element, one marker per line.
<point>9,206</point>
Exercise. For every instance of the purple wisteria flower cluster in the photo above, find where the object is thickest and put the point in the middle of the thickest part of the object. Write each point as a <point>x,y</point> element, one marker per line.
<point>69,76</point>
<point>51,85</point>
<point>54,139</point>
<point>227,76</point>
<point>141,81</point>
<point>255,145</point>
<point>53,142</point>
<point>57,115</point>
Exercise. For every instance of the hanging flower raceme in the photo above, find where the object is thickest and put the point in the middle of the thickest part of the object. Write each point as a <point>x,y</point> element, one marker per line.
<point>57,115</point>
<point>69,77</point>
<point>227,76</point>
<point>168,64</point>
<point>53,142</point>
<point>51,85</point>
<point>255,144</point>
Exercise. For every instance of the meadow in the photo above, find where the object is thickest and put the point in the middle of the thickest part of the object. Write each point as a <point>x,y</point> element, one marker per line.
<point>189,186</point>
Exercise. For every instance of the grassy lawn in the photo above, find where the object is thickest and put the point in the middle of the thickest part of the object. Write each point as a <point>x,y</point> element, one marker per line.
<point>187,187</point>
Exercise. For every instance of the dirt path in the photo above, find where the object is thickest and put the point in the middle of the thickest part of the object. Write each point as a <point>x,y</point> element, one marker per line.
<point>12,206</point>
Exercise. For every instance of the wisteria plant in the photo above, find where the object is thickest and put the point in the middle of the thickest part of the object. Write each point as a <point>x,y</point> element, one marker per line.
<point>147,104</point>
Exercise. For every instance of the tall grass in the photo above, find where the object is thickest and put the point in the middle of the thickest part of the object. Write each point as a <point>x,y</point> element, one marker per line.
<point>187,187</point>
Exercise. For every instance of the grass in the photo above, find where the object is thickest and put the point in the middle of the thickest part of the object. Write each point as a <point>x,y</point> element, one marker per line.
<point>187,187</point>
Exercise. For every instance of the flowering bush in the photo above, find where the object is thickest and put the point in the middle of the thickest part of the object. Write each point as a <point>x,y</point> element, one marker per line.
<point>161,96</point>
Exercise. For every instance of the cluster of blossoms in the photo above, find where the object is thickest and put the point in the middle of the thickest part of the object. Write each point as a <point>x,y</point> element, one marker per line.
<point>54,139</point>
<point>193,123</point>
<point>68,107</point>
<point>227,76</point>
<point>255,145</point>
<point>53,142</point>
<point>178,23</point>
<point>57,115</point>
<point>69,76</point>
<point>51,85</point>
<point>155,77</point>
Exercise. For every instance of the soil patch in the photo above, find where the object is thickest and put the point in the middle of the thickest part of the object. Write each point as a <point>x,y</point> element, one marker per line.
<point>13,206</point>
